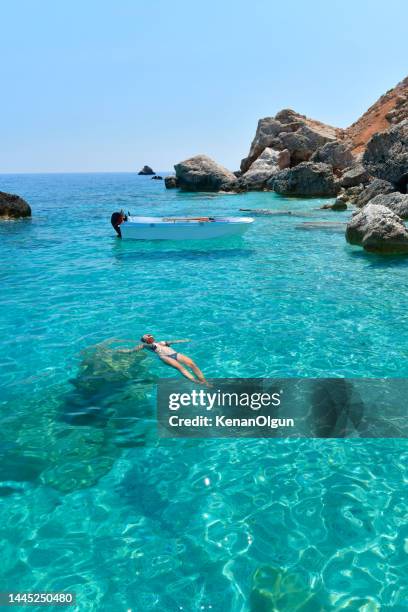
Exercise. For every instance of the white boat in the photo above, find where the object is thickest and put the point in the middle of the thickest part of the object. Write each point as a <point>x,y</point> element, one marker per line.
<point>182,228</point>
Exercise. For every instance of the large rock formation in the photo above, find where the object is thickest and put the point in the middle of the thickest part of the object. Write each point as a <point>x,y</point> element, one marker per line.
<point>335,153</point>
<point>386,156</point>
<point>268,164</point>
<point>306,179</point>
<point>397,202</point>
<point>308,139</point>
<point>266,136</point>
<point>201,173</point>
<point>289,130</point>
<point>13,207</point>
<point>146,170</point>
<point>378,229</point>
<point>381,134</point>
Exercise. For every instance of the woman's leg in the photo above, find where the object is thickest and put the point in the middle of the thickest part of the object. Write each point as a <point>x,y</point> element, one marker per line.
<point>175,364</point>
<point>190,363</point>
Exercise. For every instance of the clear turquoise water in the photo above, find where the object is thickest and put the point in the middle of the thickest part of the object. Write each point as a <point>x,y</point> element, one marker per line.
<point>91,501</point>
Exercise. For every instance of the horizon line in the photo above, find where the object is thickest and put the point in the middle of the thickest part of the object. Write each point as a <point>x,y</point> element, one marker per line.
<point>84,172</point>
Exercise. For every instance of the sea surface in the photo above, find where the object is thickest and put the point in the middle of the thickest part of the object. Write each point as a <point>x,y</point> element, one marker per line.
<point>91,501</point>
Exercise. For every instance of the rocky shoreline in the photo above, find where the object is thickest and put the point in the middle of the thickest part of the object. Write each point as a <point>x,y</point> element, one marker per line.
<point>293,155</point>
<point>364,167</point>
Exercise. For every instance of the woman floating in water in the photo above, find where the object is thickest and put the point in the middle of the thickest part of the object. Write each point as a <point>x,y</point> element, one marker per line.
<point>164,351</point>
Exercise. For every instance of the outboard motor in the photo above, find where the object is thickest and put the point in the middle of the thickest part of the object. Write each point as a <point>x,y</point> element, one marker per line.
<point>116,219</point>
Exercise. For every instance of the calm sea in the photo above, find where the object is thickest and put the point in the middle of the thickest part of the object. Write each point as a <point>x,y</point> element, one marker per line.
<point>92,502</point>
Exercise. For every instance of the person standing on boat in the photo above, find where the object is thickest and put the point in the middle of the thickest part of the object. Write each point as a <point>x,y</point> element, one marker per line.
<point>169,356</point>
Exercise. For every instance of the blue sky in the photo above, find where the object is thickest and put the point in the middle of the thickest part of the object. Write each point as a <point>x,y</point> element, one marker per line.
<point>111,85</point>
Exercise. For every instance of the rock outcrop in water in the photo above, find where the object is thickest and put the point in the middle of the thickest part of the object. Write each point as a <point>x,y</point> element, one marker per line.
<point>146,171</point>
<point>339,204</point>
<point>378,229</point>
<point>201,173</point>
<point>307,179</point>
<point>170,182</point>
<point>13,207</point>
<point>374,147</point>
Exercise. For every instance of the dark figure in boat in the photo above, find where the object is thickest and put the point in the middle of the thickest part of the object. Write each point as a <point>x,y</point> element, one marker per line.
<point>116,219</point>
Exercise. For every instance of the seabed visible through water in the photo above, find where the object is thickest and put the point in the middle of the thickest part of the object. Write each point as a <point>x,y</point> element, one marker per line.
<point>92,502</point>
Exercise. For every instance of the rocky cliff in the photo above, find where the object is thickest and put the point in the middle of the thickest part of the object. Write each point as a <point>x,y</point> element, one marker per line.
<point>300,134</point>
<point>295,155</point>
<point>390,109</point>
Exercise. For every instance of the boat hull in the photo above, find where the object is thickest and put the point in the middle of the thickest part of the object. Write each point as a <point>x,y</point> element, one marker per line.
<point>156,229</point>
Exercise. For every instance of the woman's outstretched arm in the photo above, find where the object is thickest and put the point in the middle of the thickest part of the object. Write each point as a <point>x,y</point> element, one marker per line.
<point>139,347</point>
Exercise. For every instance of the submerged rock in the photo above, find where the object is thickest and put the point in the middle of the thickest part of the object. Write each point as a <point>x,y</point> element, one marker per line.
<point>170,182</point>
<point>146,170</point>
<point>322,225</point>
<point>13,207</point>
<point>276,589</point>
<point>397,202</point>
<point>306,179</point>
<point>376,187</point>
<point>386,156</point>
<point>201,173</point>
<point>378,229</point>
<point>266,211</point>
<point>157,177</point>
<point>335,153</point>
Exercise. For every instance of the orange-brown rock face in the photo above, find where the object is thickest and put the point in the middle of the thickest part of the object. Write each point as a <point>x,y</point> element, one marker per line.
<point>390,109</point>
